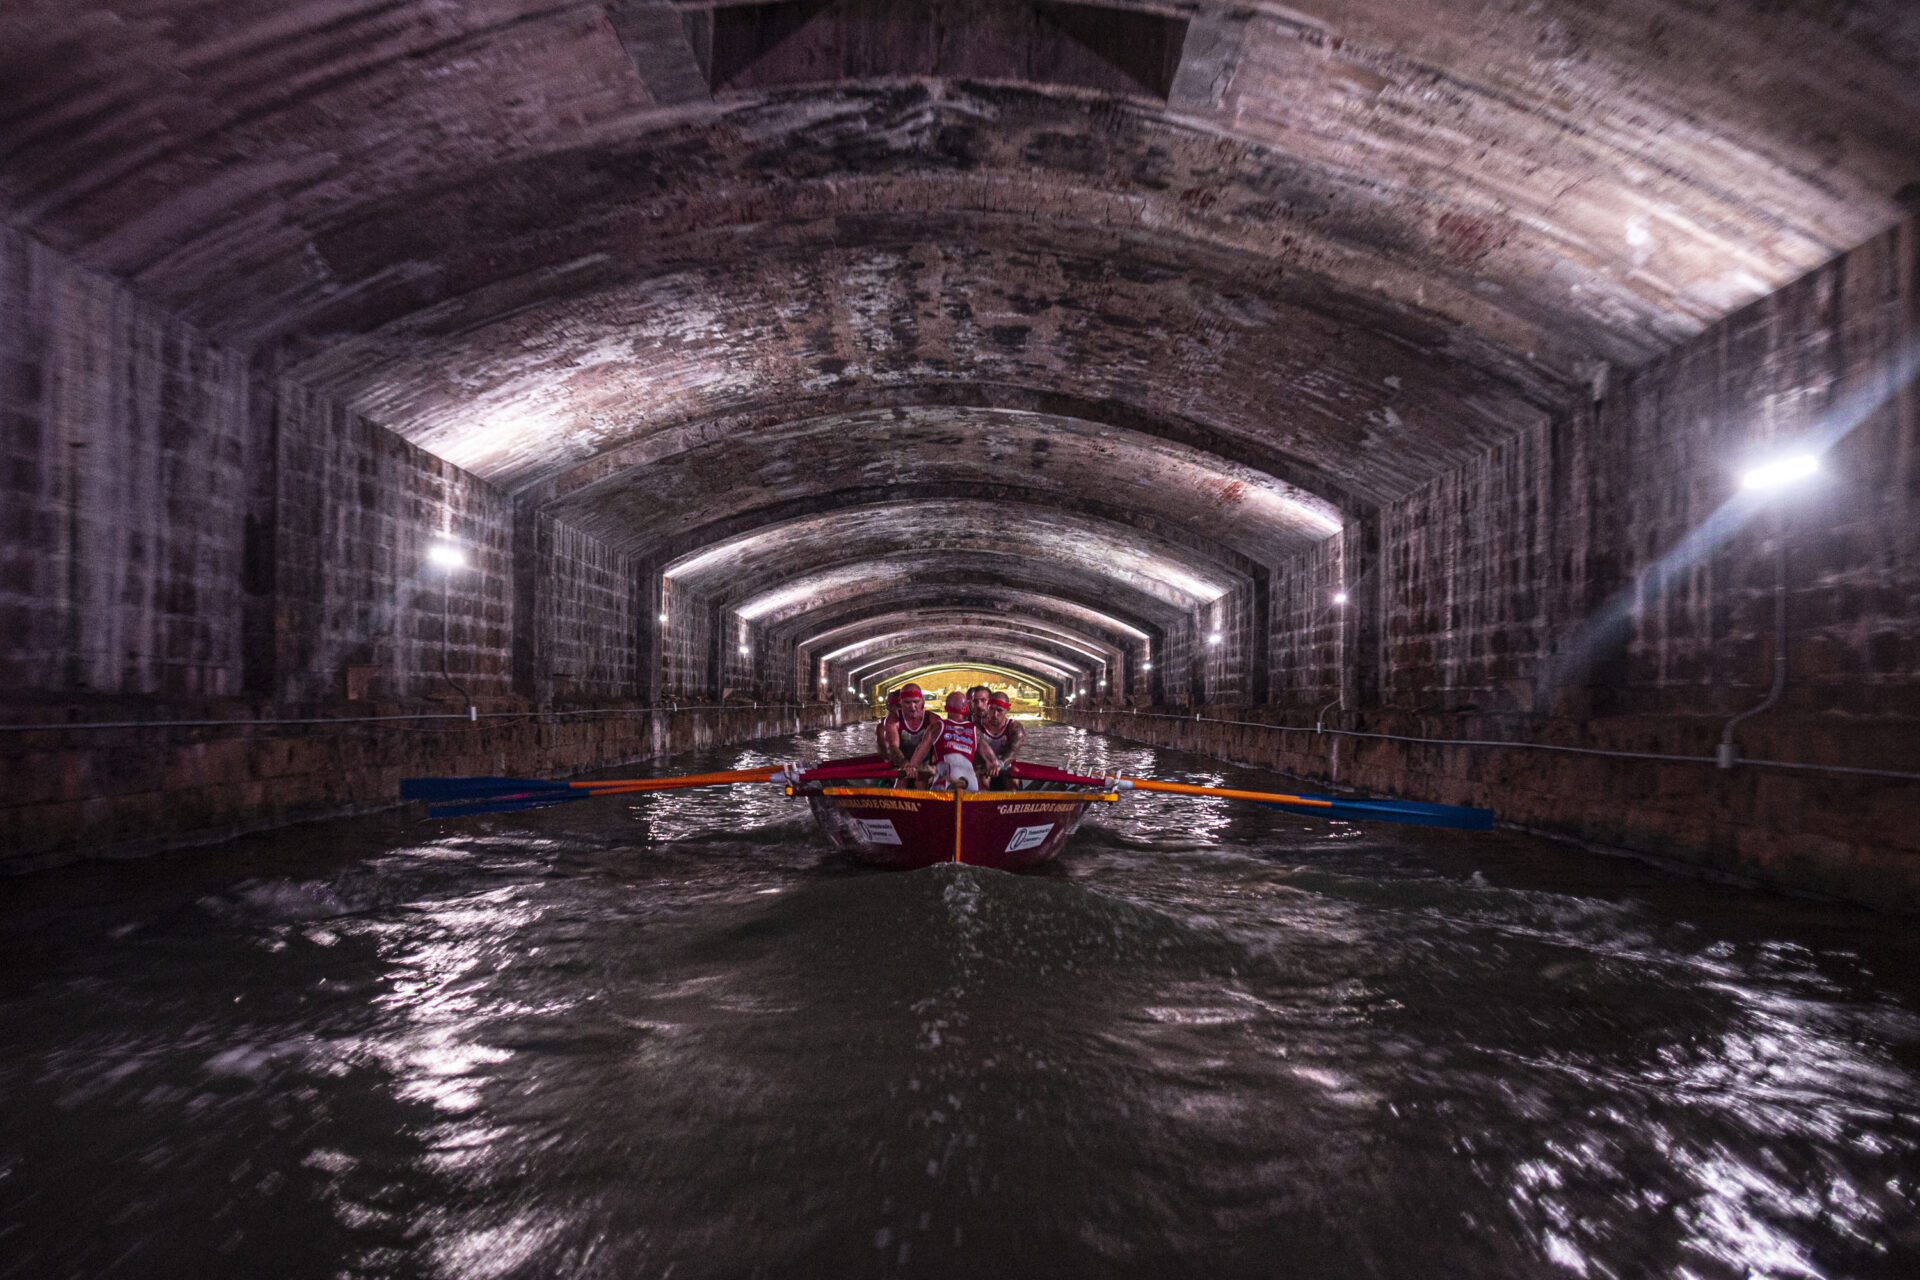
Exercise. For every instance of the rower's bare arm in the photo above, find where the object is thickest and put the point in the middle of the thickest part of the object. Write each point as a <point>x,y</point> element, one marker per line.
<point>890,745</point>
<point>921,752</point>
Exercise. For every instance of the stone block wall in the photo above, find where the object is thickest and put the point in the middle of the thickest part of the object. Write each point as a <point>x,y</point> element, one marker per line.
<point>1609,563</point>
<point>1603,581</point>
<point>687,642</point>
<point>1309,644</point>
<point>1222,667</point>
<point>76,793</point>
<point>592,615</point>
<point>122,500</point>
<point>1468,576</point>
<point>576,637</point>
<point>1843,836</point>
<point>1173,662</point>
<point>355,512</point>
<point>231,547</point>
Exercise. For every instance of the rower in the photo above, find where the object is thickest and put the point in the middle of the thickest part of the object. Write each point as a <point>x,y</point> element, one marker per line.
<point>958,742</point>
<point>910,739</point>
<point>892,717</point>
<point>1000,739</point>
<point>977,703</point>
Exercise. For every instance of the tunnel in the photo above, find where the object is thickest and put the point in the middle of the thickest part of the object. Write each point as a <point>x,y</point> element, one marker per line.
<point>1497,407</point>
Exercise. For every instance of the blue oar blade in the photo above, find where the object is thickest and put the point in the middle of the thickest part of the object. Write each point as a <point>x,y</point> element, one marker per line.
<point>502,804</point>
<point>1411,812</point>
<point>1459,817</point>
<point>471,788</point>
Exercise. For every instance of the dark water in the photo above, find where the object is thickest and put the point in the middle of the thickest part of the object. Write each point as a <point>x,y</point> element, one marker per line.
<point>679,1036</point>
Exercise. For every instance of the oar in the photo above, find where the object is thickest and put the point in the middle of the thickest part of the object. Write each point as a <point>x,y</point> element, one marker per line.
<point>622,786</point>
<point>1414,812</point>
<point>1225,793</point>
<point>463,797</point>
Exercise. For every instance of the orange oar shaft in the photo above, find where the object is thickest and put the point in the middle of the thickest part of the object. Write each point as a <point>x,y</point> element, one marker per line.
<point>620,786</point>
<point>1185,789</point>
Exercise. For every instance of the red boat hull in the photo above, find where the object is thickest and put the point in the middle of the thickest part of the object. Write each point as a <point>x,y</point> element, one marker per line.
<point>1005,830</point>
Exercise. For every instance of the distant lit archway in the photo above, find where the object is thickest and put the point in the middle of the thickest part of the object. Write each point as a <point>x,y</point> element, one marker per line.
<point>1030,694</point>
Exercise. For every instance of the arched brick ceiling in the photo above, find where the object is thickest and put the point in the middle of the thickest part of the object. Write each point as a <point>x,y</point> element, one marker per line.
<point>900,674</point>
<point>843,639</point>
<point>893,589</point>
<point>1374,395</point>
<point>727,484</point>
<point>1323,249</point>
<point>763,573</point>
<point>832,624</point>
<point>951,652</point>
<point>913,578</point>
<point>1089,627</point>
<point>934,629</point>
<point>241,151</point>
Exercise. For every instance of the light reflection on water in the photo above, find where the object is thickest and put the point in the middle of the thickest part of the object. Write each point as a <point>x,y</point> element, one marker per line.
<point>678,1034</point>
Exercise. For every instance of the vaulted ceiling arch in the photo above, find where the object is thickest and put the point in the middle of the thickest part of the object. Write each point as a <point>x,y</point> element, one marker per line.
<point>1063,674</point>
<point>1113,636</point>
<point>1072,603</point>
<point>1358,129</point>
<point>782,566</point>
<point>878,685</point>
<point>541,386</point>
<point>920,632</point>
<point>952,410</point>
<point>1231,514</point>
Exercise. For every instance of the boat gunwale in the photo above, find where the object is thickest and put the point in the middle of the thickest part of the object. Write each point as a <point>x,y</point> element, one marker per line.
<point>897,793</point>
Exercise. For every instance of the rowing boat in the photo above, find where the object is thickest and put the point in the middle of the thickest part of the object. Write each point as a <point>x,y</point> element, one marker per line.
<point>864,812</point>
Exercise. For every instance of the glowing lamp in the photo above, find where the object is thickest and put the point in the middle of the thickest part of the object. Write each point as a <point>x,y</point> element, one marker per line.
<point>446,555</point>
<point>1215,638</point>
<point>1781,471</point>
<point>1339,597</point>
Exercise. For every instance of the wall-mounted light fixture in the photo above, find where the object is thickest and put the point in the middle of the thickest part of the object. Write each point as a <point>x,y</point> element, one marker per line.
<point>448,557</point>
<point>1339,597</point>
<point>1215,638</point>
<point>1146,666</point>
<point>1777,474</point>
<point>745,649</point>
<point>1781,471</point>
<point>663,619</point>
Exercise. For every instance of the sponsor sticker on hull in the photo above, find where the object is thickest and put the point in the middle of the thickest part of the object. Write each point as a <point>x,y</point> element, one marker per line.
<point>1029,837</point>
<point>876,830</point>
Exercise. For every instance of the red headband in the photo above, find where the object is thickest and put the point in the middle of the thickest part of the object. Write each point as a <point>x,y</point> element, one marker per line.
<point>998,700</point>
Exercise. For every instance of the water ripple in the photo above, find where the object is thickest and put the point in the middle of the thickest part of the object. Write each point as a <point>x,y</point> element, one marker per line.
<point>677,1034</point>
